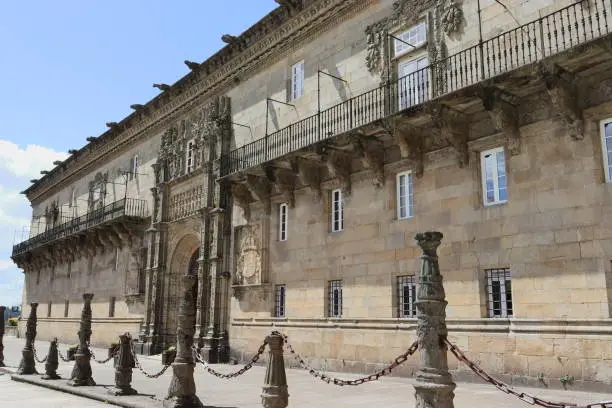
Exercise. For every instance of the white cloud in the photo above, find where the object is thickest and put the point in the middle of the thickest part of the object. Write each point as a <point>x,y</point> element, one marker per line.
<point>27,162</point>
<point>11,290</point>
<point>6,264</point>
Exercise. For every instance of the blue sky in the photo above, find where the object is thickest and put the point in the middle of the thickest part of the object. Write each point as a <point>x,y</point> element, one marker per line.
<point>70,66</point>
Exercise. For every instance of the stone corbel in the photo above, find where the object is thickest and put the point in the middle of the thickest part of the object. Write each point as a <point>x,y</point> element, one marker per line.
<point>112,236</point>
<point>122,233</point>
<point>502,108</point>
<point>242,197</point>
<point>339,166</point>
<point>411,144</point>
<point>562,90</point>
<point>285,180</point>
<point>453,127</point>
<point>260,188</point>
<point>372,154</point>
<point>310,173</point>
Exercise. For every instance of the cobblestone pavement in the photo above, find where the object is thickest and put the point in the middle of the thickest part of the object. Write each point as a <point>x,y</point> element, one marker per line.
<point>244,392</point>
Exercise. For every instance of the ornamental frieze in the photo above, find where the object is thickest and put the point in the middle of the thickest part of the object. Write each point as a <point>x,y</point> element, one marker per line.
<point>186,203</point>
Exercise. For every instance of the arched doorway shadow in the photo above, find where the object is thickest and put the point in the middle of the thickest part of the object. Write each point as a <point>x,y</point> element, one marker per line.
<point>184,260</point>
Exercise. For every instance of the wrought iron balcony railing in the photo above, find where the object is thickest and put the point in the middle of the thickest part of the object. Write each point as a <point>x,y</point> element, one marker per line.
<point>566,28</point>
<point>127,207</point>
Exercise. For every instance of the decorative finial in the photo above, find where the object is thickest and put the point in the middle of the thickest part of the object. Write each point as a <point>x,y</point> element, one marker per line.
<point>111,124</point>
<point>161,87</point>
<point>192,65</point>
<point>57,162</point>
<point>44,172</point>
<point>34,181</point>
<point>91,139</point>
<point>137,106</point>
<point>229,39</point>
<point>72,151</point>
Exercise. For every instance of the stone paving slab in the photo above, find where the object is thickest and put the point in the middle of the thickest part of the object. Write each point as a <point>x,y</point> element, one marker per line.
<point>305,391</point>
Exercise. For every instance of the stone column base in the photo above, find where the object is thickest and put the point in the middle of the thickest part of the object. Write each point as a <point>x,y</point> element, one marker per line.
<point>122,391</point>
<point>27,365</point>
<point>434,390</point>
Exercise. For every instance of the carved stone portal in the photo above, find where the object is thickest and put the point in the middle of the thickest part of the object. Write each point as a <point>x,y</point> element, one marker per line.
<point>248,255</point>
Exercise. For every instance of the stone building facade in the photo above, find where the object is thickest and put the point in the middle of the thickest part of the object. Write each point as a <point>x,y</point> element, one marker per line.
<point>291,170</point>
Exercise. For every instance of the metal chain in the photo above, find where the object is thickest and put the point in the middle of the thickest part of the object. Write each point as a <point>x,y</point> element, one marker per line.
<point>64,359</point>
<point>113,354</point>
<point>530,399</point>
<point>336,381</point>
<point>243,370</point>
<point>36,356</point>
<point>142,370</point>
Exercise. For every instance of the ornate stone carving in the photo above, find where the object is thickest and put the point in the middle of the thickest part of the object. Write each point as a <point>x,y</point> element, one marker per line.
<point>451,16</point>
<point>249,259</point>
<point>372,154</point>
<point>81,372</point>
<point>412,146</point>
<point>504,114</point>
<point>123,369</point>
<point>186,203</point>
<point>27,364</point>
<point>292,5</point>
<point>285,182</point>
<point>339,166</point>
<point>310,174</point>
<point>260,188</point>
<point>376,36</point>
<point>453,127</point>
<point>561,87</point>
<point>243,198</point>
<point>52,362</point>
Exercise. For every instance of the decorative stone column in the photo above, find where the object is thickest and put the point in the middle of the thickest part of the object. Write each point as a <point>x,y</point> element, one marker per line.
<point>182,390</point>
<point>2,308</point>
<point>274,391</point>
<point>27,364</point>
<point>123,370</point>
<point>434,386</point>
<point>52,362</point>
<point>81,373</point>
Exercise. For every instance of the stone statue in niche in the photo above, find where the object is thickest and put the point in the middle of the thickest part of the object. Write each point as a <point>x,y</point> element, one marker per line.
<point>248,267</point>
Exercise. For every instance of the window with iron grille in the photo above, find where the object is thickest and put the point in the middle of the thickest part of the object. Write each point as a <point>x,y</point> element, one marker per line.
<point>282,222</point>
<point>279,309</point>
<point>499,292</point>
<point>337,215</point>
<point>406,296</point>
<point>334,306</point>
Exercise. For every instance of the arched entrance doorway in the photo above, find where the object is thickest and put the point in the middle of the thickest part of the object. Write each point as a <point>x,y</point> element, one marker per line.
<point>184,261</point>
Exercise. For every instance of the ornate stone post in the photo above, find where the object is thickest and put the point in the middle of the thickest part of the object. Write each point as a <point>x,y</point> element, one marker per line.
<point>434,386</point>
<point>182,390</point>
<point>123,370</point>
<point>27,364</point>
<point>52,362</point>
<point>274,391</point>
<point>81,373</point>
<point>2,335</point>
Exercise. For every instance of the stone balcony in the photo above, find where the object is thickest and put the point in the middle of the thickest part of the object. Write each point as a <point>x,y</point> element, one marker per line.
<point>557,56</point>
<point>113,225</point>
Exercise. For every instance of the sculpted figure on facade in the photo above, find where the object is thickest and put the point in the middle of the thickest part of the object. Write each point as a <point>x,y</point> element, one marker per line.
<point>248,267</point>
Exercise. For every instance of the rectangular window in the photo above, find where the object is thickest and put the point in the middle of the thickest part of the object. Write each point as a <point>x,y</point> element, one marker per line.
<point>297,80</point>
<point>49,309</point>
<point>412,38</point>
<point>335,299</point>
<point>134,167</point>
<point>282,222</point>
<point>404,195</point>
<point>499,292</point>
<point>406,296</point>
<point>337,216</point>
<point>189,159</point>
<point>606,141</point>
<point>279,309</point>
<point>66,307</point>
<point>72,203</point>
<point>494,184</point>
<point>116,259</point>
<point>413,81</point>
<point>111,307</point>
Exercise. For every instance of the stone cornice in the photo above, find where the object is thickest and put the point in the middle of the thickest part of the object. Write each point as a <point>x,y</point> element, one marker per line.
<point>197,86</point>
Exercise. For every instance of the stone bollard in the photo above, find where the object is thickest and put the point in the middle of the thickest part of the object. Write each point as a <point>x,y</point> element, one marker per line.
<point>123,370</point>
<point>1,336</point>
<point>434,384</point>
<point>181,392</point>
<point>81,372</point>
<point>52,362</point>
<point>274,391</point>
<point>27,364</point>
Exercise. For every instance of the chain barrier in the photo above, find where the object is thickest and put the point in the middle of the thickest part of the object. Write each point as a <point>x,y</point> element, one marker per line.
<point>337,381</point>
<point>142,370</point>
<point>36,356</point>
<point>64,359</point>
<point>530,399</point>
<point>113,354</point>
<point>243,370</point>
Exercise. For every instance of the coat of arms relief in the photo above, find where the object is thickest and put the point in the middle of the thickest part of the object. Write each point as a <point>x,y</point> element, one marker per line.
<point>248,255</point>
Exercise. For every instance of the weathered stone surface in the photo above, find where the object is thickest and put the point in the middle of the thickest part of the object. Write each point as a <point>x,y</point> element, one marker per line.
<point>274,391</point>
<point>123,369</point>
<point>52,362</point>
<point>81,372</point>
<point>27,364</point>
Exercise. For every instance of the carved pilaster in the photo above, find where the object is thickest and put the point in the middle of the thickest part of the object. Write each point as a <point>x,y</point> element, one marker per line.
<point>243,198</point>
<point>502,108</point>
<point>339,166</point>
<point>310,174</point>
<point>563,93</point>
<point>285,182</point>
<point>453,127</point>
<point>260,188</point>
<point>371,151</point>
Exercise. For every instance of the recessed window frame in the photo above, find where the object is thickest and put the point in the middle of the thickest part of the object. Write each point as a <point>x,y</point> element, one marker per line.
<point>134,167</point>
<point>190,156</point>
<point>404,200</point>
<point>280,300</point>
<point>337,210</point>
<point>502,279</point>
<point>495,177</point>
<point>297,80</point>
<point>283,222</point>
<point>400,49</point>
<point>406,296</point>
<point>607,163</point>
<point>334,300</point>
